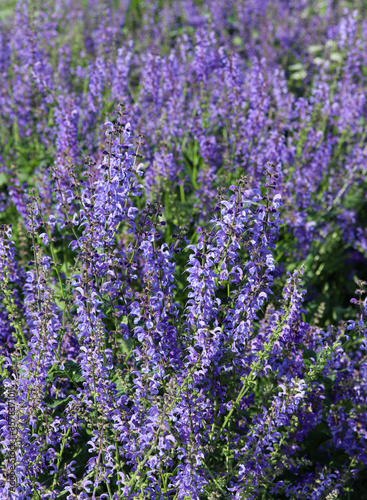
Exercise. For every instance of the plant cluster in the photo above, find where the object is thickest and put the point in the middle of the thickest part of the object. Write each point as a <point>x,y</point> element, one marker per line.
<point>183,311</point>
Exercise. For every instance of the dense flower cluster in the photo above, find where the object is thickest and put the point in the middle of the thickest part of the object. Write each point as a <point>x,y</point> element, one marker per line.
<point>185,187</point>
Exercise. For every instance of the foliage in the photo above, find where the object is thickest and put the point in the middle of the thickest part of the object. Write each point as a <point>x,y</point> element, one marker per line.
<point>183,249</point>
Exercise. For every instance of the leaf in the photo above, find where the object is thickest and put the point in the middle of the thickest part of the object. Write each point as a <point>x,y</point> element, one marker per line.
<point>126,345</point>
<point>309,354</point>
<point>54,403</point>
<point>237,40</point>
<point>121,387</point>
<point>71,370</point>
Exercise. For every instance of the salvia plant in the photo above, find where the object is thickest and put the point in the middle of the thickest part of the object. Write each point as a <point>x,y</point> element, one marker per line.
<point>183,286</point>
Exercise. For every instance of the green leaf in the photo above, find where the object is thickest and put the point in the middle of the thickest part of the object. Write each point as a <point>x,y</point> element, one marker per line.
<point>126,345</point>
<point>309,353</point>
<point>71,370</point>
<point>237,40</point>
<point>55,403</point>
